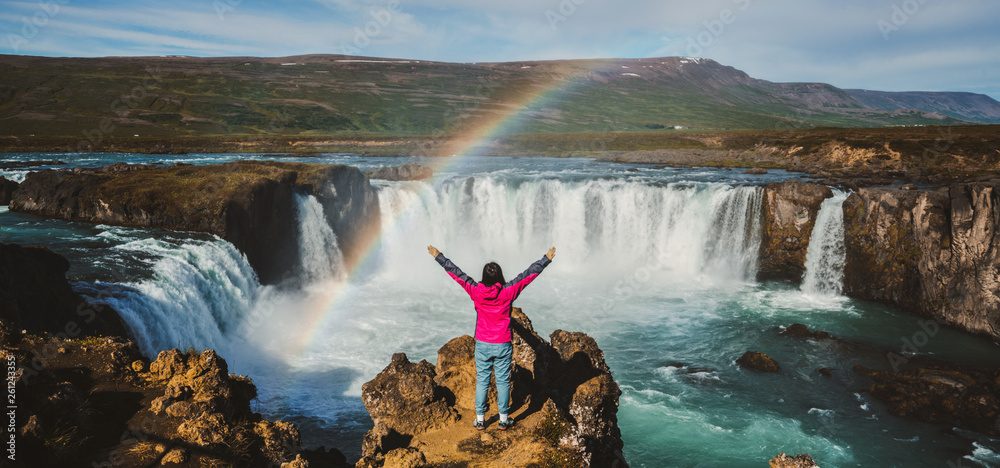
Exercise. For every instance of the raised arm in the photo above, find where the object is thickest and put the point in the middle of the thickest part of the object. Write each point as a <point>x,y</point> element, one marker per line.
<point>516,285</point>
<point>453,270</point>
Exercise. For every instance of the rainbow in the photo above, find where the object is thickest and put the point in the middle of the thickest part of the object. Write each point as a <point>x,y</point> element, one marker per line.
<point>484,128</point>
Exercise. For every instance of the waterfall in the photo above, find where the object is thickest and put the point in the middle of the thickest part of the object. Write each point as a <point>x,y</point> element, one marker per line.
<point>824,273</point>
<point>202,290</point>
<point>198,291</point>
<point>319,254</point>
<point>688,231</point>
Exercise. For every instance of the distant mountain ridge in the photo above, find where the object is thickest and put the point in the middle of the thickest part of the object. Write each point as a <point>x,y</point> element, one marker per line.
<point>346,95</point>
<point>967,106</point>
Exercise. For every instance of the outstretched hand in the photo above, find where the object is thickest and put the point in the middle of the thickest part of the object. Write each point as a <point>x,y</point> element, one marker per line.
<point>433,251</point>
<point>551,253</point>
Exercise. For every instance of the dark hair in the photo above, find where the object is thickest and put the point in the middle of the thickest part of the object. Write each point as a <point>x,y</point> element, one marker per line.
<point>492,274</point>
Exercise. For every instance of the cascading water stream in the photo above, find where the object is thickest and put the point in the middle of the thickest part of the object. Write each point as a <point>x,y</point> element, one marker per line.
<point>319,253</point>
<point>201,291</point>
<point>824,275</point>
<point>198,291</point>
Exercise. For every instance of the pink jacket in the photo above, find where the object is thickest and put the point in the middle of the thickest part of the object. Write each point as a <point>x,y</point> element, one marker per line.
<point>493,302</point>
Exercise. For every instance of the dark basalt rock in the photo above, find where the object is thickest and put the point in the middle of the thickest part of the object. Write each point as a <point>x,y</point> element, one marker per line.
<point>36,297</point>
<point>7,188</point>
<point>941,394</point>
<point>799,330</point>
<point>757,360</point>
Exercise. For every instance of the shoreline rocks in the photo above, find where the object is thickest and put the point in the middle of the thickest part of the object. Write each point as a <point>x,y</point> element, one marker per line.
<point>100,402</point>
<point>940,393</point>
<point>799,461</point>
<point>758,361</point>
<point>249,203</point>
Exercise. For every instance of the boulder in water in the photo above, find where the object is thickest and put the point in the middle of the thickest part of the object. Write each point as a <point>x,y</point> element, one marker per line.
<point>941,393</point>
<point>757,360</point>
<point>799,330</point>
<point>798,461</point>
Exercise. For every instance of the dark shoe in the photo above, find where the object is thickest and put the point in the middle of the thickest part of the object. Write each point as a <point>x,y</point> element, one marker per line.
<point>505,424</point>
<point>479,425</point>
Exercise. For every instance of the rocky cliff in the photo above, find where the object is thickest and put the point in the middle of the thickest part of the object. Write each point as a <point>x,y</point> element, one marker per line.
<point>934,252</point>
<point>564,404</point>
<point>251,204</point>
<point>7,188</point>
<point>789,214</point>
<point>36,297</point>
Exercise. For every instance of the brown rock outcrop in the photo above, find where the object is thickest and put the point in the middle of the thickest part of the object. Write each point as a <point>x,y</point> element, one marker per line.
<point>758,361</point>
<point>932,252</point>
<point>35,296</point>
<point>564,399</point>
<point>405,398</point>
<point>798,461</point>
<point>249,203</point>
<point>84,403</point>
<point>98,401</point>
<point>789,214</point>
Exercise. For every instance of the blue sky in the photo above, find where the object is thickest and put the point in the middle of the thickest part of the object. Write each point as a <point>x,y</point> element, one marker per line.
<point>892,45</point>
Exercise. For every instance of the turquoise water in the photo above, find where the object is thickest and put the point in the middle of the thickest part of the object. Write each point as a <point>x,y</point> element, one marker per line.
<point>657,264</point>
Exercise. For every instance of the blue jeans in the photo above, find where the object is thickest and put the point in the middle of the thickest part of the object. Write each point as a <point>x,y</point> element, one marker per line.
<point>497,357</point>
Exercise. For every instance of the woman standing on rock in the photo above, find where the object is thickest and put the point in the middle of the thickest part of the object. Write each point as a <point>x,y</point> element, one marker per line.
<point>494,350</point>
